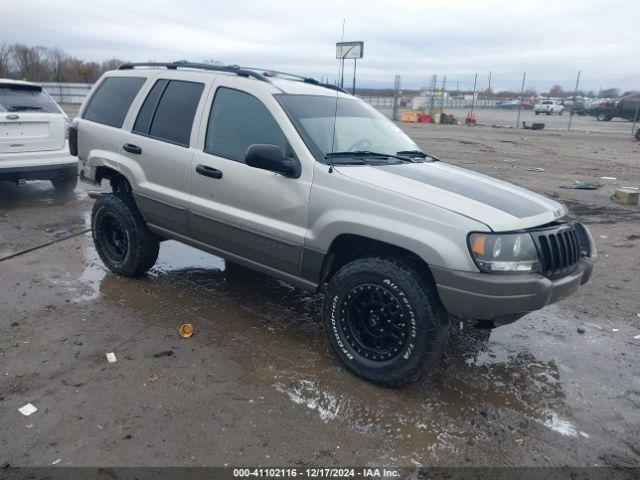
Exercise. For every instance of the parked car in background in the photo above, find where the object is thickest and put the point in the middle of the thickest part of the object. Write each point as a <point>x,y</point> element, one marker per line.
<point>578,107</point>
<point>33,133</point>
<point>515,105</point>
<point>549,107</point>
<point>626,108</point>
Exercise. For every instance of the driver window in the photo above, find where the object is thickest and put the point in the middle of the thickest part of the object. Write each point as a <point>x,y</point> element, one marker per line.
<point>238,120</point>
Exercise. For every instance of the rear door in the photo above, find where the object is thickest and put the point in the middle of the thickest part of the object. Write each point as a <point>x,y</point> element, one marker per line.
<point>30,120</point>
<point>254,214</point>
<point>159,142</point>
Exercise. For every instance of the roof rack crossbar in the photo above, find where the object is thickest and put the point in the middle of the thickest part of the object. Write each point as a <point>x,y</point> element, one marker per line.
<point>200,66</point>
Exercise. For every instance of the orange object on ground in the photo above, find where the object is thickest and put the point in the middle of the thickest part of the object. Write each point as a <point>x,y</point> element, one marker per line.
<point>186,330</point>
<point>410,116</point>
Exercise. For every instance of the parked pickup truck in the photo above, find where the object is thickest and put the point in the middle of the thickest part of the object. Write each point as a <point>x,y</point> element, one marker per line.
<point>626,108</point>
<point>306,183</point>
<point>549,107</point>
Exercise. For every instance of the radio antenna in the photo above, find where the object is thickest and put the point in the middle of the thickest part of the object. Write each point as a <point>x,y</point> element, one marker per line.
<point>335,111</point>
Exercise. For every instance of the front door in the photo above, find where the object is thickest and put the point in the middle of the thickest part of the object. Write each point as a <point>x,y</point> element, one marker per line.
<point>250,213</point>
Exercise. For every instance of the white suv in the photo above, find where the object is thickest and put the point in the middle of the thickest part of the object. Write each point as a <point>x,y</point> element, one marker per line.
<point>549,107</point>
<point>33,130</point>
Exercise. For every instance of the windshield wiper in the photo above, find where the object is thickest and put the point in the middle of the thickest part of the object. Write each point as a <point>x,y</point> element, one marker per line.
<point>418,153</point>
<point>367,154</point>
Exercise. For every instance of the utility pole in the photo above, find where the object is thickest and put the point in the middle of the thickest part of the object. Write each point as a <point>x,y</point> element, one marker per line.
<point>489,80</point>
<point>524,77</point>
<point>342,59</point>
<point>355,60</point>
<point>473,95</point>
<point>396,90</point>
<point>575,93</point>
<point>444,87</point>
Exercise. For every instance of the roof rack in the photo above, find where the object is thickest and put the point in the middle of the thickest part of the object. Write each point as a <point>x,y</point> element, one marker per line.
<point>200,66</point>
<point>312,81</point>
<point>238,70</point>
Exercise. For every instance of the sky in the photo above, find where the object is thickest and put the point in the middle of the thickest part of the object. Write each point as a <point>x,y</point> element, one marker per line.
<point>550,40</point>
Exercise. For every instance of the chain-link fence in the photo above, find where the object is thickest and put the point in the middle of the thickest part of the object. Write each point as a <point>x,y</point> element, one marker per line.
<point>607,111</point>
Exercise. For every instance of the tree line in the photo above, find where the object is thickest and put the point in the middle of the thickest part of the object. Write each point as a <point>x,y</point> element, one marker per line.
<point>44,64</point>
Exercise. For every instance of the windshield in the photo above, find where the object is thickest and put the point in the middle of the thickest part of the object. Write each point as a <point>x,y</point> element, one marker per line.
<point>358,126</point>
<point>21,99</point>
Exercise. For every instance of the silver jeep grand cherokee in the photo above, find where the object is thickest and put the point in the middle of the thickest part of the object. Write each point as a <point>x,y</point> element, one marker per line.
<point>308,184</point>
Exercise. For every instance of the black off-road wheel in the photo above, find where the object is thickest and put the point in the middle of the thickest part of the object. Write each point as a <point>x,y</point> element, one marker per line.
<point>384,320</point>
<point>65,184</point>
<point>121,236</point>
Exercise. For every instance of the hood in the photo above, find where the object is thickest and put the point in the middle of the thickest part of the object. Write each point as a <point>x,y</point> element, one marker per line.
<point>500,205</point>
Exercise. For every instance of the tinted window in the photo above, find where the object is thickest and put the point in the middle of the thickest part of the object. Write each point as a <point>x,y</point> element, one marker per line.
<point>174,115</point>
<point>110,103</point>
<point>143,122</point>
<point>26,99</point>
<point>238,120</point>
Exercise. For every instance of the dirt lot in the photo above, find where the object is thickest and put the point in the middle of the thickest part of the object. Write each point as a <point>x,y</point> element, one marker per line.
<point>257,384</point>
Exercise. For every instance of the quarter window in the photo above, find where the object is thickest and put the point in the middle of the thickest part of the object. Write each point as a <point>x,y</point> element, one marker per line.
<point>238,120</point>
<point>169,110</point>
<point>111,101</point>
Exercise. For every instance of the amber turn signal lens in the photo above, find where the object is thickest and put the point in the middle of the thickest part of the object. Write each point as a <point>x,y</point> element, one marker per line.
<point>477,245</point>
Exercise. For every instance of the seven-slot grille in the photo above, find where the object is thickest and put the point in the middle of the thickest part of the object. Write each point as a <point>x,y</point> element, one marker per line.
<point>559,249</point>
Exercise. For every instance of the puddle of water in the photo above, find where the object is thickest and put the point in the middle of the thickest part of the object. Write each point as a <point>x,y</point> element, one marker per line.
<point>529,373</point>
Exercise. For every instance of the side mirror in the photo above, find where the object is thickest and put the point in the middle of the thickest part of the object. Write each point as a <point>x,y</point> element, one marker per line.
<point>271,157</point>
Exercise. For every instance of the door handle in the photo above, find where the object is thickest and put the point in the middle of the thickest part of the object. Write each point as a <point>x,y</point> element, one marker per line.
<point>209,171</point>
<point>128,147</point>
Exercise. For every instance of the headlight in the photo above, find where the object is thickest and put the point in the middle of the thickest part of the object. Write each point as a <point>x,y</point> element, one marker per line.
<point>507,252</point>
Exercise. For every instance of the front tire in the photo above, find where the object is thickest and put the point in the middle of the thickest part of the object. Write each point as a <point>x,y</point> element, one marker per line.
<point>384,320</point>
<point>121,236</point>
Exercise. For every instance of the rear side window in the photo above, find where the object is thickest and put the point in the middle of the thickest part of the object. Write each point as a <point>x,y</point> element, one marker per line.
<point>110,103</point>
<point>238,120</point>
<point>169,110</point>
<point>28,98</point>
<point>143,122</point>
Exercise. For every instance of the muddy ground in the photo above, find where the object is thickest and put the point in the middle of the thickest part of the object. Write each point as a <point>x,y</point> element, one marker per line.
<point>257,385</point>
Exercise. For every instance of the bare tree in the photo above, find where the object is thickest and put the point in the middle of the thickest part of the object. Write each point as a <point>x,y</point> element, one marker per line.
<point>56,59</point>
<point>5,56</point>
<point>29,62</point>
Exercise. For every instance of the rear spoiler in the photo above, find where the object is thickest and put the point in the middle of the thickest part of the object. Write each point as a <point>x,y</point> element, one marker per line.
<point>21,86</point>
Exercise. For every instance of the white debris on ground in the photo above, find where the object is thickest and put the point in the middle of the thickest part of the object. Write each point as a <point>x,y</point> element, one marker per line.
<point>28,409</point>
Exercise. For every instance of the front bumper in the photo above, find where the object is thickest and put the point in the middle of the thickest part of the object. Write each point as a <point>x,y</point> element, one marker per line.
<point>486,296</point>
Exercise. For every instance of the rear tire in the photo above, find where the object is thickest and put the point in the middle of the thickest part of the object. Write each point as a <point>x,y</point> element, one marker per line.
<point>384,320</point>
<point>65,184</point>
<point>121,236</point>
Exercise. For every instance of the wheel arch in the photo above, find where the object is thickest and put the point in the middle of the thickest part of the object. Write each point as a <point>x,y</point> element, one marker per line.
<point>348,247</point>
<point>118,181</point>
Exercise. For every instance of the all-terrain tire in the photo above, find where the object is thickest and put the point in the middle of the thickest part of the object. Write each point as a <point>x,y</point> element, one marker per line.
<point>421,315</point>
<point>65,184</point>
<point>121,236</point>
